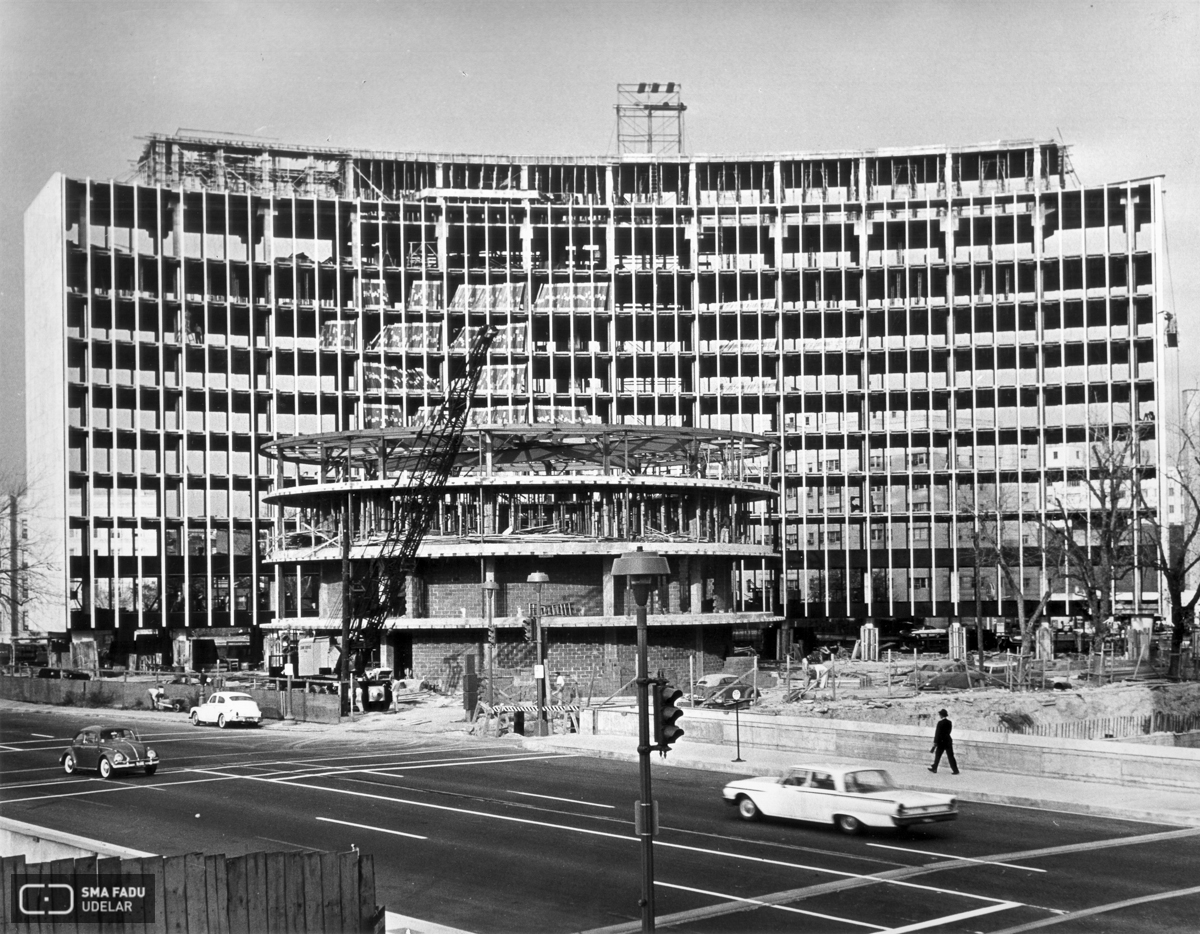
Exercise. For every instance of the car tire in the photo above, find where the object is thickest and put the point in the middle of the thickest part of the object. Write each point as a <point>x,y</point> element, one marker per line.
<point>179,706</point>
<point>195,718</point>
<point>105,768</point>
<point>848,824</point>
<point>151,769</point>
<point>69,764</point>
<point>747,809</point>
<point>221,720</point>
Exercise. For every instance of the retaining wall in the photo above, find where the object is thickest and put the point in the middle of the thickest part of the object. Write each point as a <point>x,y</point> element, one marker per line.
<point>133,695</point>
<point>1138,765</point>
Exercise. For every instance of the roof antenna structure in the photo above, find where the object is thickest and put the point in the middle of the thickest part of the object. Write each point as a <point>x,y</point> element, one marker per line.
<point>650,118</point>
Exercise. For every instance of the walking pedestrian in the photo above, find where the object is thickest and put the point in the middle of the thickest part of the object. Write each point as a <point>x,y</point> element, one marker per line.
<point>942,743</point>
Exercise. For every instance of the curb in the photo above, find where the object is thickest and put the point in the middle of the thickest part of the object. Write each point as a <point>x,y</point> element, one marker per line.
<point>1180,818</point>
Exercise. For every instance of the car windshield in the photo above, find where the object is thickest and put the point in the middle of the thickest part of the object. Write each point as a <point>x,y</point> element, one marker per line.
<point>239,697</point>
<point>119,733</point>
<point>868,781</point>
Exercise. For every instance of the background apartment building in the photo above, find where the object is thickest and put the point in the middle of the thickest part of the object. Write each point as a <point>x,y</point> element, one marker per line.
<point>925,334</point>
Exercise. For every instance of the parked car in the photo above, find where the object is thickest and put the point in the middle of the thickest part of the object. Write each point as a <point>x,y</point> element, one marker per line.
<point>67,674</point>
<point>849,797</point>
<point>227,707</point>
<point>717,689</point>
<point>108,749</point>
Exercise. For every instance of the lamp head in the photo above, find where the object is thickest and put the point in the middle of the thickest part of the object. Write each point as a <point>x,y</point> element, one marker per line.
<point>641,567</point>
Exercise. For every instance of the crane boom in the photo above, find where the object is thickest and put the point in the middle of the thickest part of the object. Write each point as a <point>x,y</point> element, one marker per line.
<point>417,491</point>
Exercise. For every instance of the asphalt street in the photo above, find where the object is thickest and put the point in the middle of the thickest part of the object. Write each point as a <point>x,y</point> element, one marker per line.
<point>487,837</point>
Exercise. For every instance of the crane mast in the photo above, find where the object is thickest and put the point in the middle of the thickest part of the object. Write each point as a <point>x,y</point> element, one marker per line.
<point>379,585</point>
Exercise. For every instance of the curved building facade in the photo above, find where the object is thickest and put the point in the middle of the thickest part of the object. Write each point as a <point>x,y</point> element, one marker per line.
<point>931,337</point>
<point>559,499</point>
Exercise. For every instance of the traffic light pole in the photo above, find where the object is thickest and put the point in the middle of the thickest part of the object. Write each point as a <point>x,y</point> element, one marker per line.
<point>646,824</point>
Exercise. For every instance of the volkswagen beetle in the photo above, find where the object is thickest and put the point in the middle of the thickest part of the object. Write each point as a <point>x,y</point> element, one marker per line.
<point>109,749</point>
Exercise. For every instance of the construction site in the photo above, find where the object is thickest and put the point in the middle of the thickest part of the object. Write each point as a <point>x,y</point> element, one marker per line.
<point>805,378</point>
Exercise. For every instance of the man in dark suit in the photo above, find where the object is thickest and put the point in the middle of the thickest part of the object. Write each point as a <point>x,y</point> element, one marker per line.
<point>942,743</point>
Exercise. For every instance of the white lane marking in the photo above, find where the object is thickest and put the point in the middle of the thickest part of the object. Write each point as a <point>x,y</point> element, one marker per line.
<point>614,836</point>
<point>762,904</point>
<point>4,748</point>
<point>965,859</point>
<point>949,919</point>
<point>43,735</point>
<point>397,833</point>
<point>590,804</point>
<point>1099,909</point>
<point>408,766</point>
<point>109,786</point>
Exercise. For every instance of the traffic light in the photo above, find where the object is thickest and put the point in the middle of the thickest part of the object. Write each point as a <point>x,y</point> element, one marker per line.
<point>664,714</point>
<point>491,635</point>
<point>528,625</point>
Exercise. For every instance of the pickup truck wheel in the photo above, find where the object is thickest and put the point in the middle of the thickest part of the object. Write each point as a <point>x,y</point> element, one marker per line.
<point>747,809</point>
<point>848,824</point>
<point>69,764</point>
<point>105,768</point>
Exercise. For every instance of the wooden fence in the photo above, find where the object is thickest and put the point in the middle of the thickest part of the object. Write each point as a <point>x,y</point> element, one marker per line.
<point>1106,727</point>
<point>305,893</point>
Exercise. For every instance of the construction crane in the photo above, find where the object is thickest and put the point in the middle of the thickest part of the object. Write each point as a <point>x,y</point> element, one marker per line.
<point>379,585</point>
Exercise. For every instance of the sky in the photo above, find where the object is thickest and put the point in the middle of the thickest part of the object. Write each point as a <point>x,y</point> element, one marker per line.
<point>83,81</point>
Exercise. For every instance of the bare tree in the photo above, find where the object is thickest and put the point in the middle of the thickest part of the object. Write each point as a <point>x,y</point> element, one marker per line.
<point>999,540</point>
<point>1091,522</point>
<point>1176,544</point>
<point>26,568</point>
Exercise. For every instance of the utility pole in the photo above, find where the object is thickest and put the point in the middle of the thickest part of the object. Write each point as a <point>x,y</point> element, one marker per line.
<point>14,561</point>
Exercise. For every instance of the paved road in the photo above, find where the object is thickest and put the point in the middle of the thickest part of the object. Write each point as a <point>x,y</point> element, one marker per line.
<point>488,837</point>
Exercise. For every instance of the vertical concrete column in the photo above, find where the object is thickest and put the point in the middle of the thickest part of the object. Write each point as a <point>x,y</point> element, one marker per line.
<point>696,584</point>
<point>412,595</point>
<point>610,587</point>
<point>674,604</point>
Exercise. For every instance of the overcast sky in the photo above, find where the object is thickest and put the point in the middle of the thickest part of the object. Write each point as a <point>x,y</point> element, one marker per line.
<point>81,81</point>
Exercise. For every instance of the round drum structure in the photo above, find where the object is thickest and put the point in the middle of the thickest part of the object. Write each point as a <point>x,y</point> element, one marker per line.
<point>560,499</point>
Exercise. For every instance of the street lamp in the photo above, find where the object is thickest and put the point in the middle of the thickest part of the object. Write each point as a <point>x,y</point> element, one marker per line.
<point>489,595</point>
<point>539,665</point>
<point>641,568</point>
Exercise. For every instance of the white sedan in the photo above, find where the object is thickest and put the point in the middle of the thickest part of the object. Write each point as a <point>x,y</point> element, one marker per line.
<point>226,707</point>
<point>849,797</point>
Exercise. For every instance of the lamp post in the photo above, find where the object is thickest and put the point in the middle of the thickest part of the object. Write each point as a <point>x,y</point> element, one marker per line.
<point>539,665</point>
<point>641,568</point>
<point>489,595</point>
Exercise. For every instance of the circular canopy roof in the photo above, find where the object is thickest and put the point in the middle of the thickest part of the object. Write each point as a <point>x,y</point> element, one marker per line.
<point>546,448</point>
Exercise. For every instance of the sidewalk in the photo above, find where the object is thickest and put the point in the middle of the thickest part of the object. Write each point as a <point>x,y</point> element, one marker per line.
<point>1095,798</point>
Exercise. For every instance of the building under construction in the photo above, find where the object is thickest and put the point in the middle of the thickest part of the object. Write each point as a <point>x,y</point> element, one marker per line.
<point>845,357</point>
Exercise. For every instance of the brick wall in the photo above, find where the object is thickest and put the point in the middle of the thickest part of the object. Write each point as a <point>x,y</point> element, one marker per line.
<point>443,658</point>
<point>451,586</point>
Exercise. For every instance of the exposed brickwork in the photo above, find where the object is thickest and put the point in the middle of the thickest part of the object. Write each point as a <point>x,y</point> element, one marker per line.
<point>444,662</point>
<point>452,586</point>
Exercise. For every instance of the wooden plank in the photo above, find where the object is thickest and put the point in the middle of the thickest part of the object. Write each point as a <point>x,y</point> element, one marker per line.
<point>349,886</point>
<point>197,893</point>
<point>150,868</point>
<point>217,894</point>
<point>175,895</point>
<point>9,867</point>
<point>366,891</point>
<point>110,866</point>
<point>331,893</point>
<point>238,895</point>
<point>85,868</point>
<point>314,918</point>
<point>276,901</point>
<point>256,891</point>
<point>64,867</point>
<point>293,893</point>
